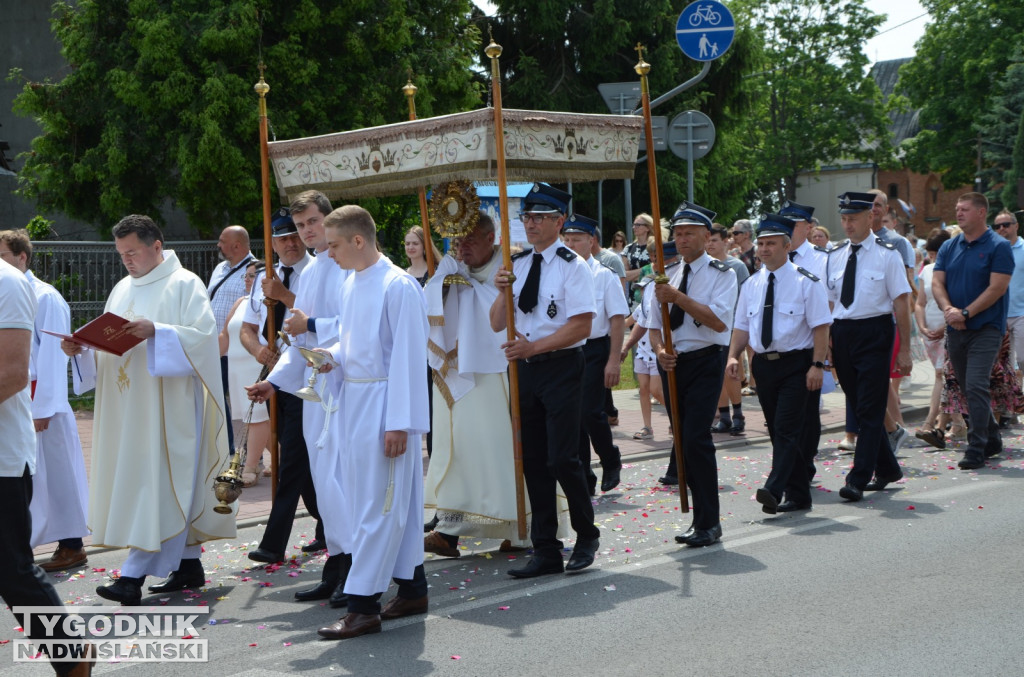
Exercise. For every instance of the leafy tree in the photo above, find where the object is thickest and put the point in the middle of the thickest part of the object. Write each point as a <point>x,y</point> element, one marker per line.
<point>158,104</point>
<point>967,45</point>
<point>1000,129</point>
<point>817,103</point>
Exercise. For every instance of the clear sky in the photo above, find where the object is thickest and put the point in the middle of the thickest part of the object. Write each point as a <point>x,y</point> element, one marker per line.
<point>895,41</point>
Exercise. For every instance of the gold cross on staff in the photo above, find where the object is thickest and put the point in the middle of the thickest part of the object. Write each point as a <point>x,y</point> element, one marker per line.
<point>639,49</point>
<point>262,67</point>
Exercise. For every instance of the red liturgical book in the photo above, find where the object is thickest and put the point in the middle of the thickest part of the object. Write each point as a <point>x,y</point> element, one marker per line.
<point>104,333</point>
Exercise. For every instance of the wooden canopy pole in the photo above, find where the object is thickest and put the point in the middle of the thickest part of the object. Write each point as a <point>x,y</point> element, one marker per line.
<point>643,68</point>
<point>493,51</point>
<point>428,250</point>
<point>262,88</point>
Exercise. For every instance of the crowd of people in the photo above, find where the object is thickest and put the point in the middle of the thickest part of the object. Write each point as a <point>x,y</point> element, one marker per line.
<point>772,309</point>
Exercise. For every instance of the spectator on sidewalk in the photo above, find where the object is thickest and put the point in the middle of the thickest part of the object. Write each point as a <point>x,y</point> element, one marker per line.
<point>972,273</point>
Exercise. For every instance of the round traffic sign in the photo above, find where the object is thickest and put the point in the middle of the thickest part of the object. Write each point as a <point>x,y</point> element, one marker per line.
<point>705,30</point>
<point>691,129</point>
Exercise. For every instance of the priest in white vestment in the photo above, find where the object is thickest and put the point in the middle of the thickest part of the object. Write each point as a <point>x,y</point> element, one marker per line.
<point>159,436</point>
<point>313,323</point>
<point>471,478</point>
<point>59,487</point>
<point>381,390</point>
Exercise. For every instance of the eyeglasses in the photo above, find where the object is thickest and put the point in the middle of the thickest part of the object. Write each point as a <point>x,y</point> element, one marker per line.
<point>640,224</point>
<point>1005,224</point>
<point>526,218</point>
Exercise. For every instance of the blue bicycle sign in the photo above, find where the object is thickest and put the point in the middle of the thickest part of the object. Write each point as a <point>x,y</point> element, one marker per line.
<point>705,13</point>
<point>705,30</point>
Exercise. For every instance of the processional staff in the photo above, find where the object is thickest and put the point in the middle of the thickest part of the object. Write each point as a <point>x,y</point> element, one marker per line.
<point>428,251</point>
<point>262,88</point>
<point>643,68</point>
<point>493,51</point>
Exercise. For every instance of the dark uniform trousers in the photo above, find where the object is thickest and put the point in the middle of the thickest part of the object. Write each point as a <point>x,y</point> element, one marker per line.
<point>861,351</point>
<point>294,478</point>
<point>699,375</point>
<point>22,583</point>
<point>782,392</point>
<point>408,588</point>
<point>549,408</point>
<point>595,429</point>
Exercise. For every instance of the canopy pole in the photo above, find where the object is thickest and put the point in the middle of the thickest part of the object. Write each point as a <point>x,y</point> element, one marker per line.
<point>428,250</point>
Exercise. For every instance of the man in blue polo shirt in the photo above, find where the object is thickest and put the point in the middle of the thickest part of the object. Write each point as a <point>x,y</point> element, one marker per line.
<point>972,272</point>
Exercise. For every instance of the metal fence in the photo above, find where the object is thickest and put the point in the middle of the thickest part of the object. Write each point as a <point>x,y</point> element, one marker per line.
<point>85,272</point>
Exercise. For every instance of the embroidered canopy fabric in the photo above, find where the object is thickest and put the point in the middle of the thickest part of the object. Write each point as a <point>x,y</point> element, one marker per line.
<point>397,159</point>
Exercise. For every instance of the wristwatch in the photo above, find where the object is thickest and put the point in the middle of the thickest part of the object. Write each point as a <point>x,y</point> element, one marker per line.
<point>966,313</point>
<point>819,365</point>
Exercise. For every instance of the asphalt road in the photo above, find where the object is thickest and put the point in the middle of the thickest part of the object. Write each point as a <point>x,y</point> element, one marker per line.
<point>920,579</point>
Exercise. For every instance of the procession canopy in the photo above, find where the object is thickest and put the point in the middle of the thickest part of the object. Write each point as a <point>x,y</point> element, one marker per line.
<point>397,159</point>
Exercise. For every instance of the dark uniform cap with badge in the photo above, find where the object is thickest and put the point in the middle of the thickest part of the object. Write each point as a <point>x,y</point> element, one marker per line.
<point>282,224</point>
<point>577,223</point>
<point>796,211</point>
<point>545,199</point>
<point>692,214</point>
<point>775,224</point>
<point>851,203</point>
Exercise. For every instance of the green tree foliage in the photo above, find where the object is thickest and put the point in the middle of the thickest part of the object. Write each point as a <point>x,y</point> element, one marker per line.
<point>1000,129</point>
<point>966,47</point>
<point>556,52</point>
<point>817,105</point>
<point>158,105</point>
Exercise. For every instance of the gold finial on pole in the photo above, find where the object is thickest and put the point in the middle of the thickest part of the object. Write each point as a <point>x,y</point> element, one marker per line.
<point>642,68</point>
<point>492,50</point>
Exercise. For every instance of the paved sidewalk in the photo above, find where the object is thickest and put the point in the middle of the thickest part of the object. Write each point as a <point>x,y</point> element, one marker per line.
<point>254,505</point>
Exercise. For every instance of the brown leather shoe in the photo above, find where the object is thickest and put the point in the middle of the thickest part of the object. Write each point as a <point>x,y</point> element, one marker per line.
<point>506,546</point>
<point>351,625</point>
<point>65,558</point>
<point>397,607</point>
<point>436,543</point>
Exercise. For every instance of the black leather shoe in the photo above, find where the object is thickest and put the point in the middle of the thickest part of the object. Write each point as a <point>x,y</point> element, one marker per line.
<point>686,535</point>
<point>538,566</point>
<point>611,477</point>
<point>180,580</point>
<point>591,482</point>
<point>669,480</point>
<point>431,525</point>
<point>994,448</point>
<point>971,462</point>
<point>723,426</point>
<point>265,556</point>
<point>583,555</point>
<point>126,590</point>
<point>769,503</point>
<point>321,590</point>
<point>316,546</point>
<point>851,493</point>
<point>704,537</point>
<point>338,597</point>
<point>739,424</point>
<point>790,506</point>
<point>880,483</point>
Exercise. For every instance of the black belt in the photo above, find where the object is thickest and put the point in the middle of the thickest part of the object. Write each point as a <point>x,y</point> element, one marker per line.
<point>875,319</point>
<point>599,340</point>
<point>775,355</point>
<point>553,355</point>
<point>699,353</point>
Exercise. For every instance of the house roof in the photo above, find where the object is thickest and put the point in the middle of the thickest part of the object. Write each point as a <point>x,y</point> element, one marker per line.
<point>902,125</point>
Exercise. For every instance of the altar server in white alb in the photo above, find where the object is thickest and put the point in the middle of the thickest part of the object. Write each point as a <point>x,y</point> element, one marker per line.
<point>60,492</point>
<point>380,386</point>
<point>313,322</point>
<point>159,436</point>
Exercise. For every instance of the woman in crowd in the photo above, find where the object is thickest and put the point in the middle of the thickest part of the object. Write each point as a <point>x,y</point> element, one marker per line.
<point>414,250</point>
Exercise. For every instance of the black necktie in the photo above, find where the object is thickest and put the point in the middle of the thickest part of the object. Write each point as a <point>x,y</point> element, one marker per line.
<point>769,310</point>
<point>792,255</point>
<point>676,316</point>
<point>528,294</point>
<point>846,296</point>
<point>279,309</point>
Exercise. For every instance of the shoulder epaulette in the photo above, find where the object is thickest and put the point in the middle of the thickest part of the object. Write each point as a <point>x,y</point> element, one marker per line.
<point>721,266</point>
<point>820,249</point>
<point>525,252</point>
<point>887,245</point>
<point>566,253</point>
<point>809,274</point>
<point>839,246</point>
